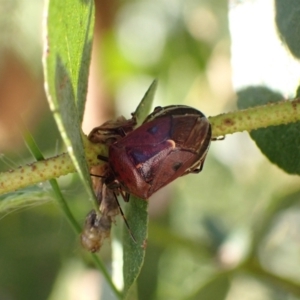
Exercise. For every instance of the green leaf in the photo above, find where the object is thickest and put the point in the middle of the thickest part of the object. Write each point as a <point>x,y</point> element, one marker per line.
<point>145,105</point>
<point>67,51</point>
<point>134,252</point>
<point>137,217</point>
<point>288,24</point>
<point>280,144</point>
<point>30,196</point>
<point>217,289</point>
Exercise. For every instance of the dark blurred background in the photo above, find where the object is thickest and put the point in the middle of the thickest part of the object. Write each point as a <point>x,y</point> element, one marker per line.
<point>200,225</point>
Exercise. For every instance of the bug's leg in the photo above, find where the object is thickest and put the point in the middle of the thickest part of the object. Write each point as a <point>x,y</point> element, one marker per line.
<point>124,196</point>
<point>196,171</point>
<point>124,218</point>
<point>98,186</point>
<point>103,158</point>
<point>127,196</point>
<point>218,138</point>
<point>199,169</point>
<point>121,132</point>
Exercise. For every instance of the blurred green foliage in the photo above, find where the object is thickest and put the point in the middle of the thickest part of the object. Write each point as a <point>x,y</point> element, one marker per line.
<point>231,232</point>
<point>287,12</point>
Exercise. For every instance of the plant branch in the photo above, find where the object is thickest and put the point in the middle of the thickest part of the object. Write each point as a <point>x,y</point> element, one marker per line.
<point>283,112</point>
<point>272,114</point>
<point>47,169</point>
<point>254,267</point>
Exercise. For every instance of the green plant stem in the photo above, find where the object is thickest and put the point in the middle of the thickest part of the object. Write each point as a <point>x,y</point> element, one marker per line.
<point>253,267</point>
<point>35,172</point>
<point>272,114</point>
<point>47,169</point>
<point>106,275</point>
<point>35,151</point>
<point>283,112</point>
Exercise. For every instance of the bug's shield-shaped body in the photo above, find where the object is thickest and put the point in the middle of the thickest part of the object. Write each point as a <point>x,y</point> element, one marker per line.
<point>172,142</point>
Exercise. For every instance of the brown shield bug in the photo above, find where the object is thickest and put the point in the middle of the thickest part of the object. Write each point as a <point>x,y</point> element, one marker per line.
<point>172,141</point>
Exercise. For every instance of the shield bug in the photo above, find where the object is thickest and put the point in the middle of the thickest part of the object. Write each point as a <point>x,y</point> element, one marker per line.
<point>172,141</point>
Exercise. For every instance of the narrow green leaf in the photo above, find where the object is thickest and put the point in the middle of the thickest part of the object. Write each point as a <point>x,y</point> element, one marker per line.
<point>67,51</point>
<point>137,216</point>
<point>280,144</point>
<point>134,252</point>
<point>31,196</point>
<point>145,105</point>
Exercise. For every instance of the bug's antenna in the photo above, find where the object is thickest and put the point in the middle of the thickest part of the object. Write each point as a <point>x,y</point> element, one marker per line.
<point>124,218</point>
